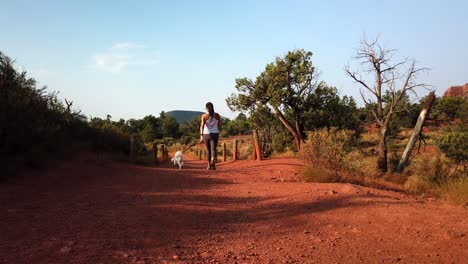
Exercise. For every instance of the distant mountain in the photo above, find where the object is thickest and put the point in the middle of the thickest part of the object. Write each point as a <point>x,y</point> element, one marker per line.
<point>183,115</point>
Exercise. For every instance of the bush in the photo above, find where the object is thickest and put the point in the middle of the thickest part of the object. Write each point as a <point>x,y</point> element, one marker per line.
<point>430,173</point>
<point>454,143</point>
<point>418,184</point>
<point>33,122</point>
<point>282,142</point>
<point>317,174</point>
<point>35,125</point>
<point>328,148</point>
<point>456,191</point>
<point>449,108</point>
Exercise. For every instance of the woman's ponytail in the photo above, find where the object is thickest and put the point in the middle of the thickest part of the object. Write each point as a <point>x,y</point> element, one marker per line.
<point>210,108</point>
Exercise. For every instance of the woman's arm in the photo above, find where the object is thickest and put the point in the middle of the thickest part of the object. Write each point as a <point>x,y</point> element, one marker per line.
<point>202,125</point>
<point>219,120</point>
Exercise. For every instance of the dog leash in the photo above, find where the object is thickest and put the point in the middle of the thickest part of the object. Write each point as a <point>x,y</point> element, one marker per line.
<point>189,147</point>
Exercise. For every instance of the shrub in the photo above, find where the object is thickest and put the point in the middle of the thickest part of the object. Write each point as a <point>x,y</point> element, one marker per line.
<point>328,148</point>
<point>454,143</point>
<point>417,184</point>
<point>282,142</point>
<point>456,191</point>
<point>316,174</point>
<point>33,122</point>
<point>448,108</point>
<point>429,174</point>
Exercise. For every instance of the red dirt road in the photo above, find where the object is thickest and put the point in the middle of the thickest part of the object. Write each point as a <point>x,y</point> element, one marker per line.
<point>245,212</point>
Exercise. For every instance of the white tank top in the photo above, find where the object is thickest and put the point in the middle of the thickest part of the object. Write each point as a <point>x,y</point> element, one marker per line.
<point>211,126</point>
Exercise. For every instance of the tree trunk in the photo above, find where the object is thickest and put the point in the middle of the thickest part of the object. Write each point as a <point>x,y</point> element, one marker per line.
<point>416,132</point>
<point>256,147</point>
<point>298,130</point>
<point>296,134</point>
<point>382,150</point>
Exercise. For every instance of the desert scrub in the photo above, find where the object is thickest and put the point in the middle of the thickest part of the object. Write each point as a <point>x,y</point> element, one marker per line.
<point>453,142</point>
<point>430,173</point>
<point>317,174</point>
<point>324,153</point>
<point>456,191</point>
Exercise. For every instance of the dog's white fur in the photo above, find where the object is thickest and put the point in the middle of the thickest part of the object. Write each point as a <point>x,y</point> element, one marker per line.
<point>178,159</point>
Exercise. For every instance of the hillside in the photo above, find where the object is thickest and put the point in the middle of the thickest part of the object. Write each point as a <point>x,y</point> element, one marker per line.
<point>184,115</point>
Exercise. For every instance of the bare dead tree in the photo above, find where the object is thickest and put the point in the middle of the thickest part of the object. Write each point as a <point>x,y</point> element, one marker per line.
<point>380,73</point>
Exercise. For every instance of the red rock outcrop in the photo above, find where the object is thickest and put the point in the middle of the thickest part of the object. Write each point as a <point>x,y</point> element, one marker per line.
<point>457,91</point>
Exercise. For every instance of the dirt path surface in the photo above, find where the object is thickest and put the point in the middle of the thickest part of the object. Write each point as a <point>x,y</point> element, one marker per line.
<point>245,212</point>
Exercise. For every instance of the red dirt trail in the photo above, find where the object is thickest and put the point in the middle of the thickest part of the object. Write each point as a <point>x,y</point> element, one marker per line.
<point>245,212</point>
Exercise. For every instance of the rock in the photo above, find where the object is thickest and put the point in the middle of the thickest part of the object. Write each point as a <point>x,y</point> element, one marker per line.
<point>65,249</point>
<point>452,234</point>
<point>351,189</point>
<point>278,249</point>
<point>457,91</point>
<point>175,257</point>
<point>125,255</point>
<point>332,192</point>
<point>306,232</point>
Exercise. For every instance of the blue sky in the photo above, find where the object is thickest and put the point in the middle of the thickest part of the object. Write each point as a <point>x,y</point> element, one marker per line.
<point>134,58</point>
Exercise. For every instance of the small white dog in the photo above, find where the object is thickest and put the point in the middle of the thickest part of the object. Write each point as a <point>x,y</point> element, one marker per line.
<point>178,159</point>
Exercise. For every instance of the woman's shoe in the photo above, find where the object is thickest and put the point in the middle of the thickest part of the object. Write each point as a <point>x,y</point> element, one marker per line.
<point>212,166</point>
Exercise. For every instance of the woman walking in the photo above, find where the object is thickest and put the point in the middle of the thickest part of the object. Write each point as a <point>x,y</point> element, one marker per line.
<point>209,133</point>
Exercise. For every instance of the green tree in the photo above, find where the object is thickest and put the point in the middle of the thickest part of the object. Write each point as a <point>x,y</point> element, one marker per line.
<point>284,86</point>
<point>169,126</point>
<point>151,129</point>
<point>190,130</point>
<point>449,108</point>
<point>239,126</point>
<point>454,142</point>
<point>327,109</point>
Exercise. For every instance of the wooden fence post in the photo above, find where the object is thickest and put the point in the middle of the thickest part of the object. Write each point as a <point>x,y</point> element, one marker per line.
<point>234,150</point>
<point>224,152</point>
<point>163,149</point>
<point>256,146</point>
<point>166,153</point>
<point>132,149</point>
<point>155,151</point>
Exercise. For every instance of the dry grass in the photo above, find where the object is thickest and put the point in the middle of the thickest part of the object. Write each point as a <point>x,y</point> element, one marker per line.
<point>286,155</point>
<point>417,184</point>
<point>317,174</point>
<point>456,191</point>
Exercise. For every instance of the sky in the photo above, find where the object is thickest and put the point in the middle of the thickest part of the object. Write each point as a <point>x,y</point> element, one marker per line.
<point>130,59</point>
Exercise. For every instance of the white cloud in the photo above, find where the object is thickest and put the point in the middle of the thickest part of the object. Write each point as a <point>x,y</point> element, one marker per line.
<point>111,62</point>
<point>122,56</point>
<point>125,46</point>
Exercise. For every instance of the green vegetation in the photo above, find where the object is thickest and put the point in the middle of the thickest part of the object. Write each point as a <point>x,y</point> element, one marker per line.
<point>293,111</point>
<point>288,91</point>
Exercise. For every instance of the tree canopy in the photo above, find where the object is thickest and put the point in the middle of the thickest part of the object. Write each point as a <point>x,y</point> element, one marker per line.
<point>290,89</point>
